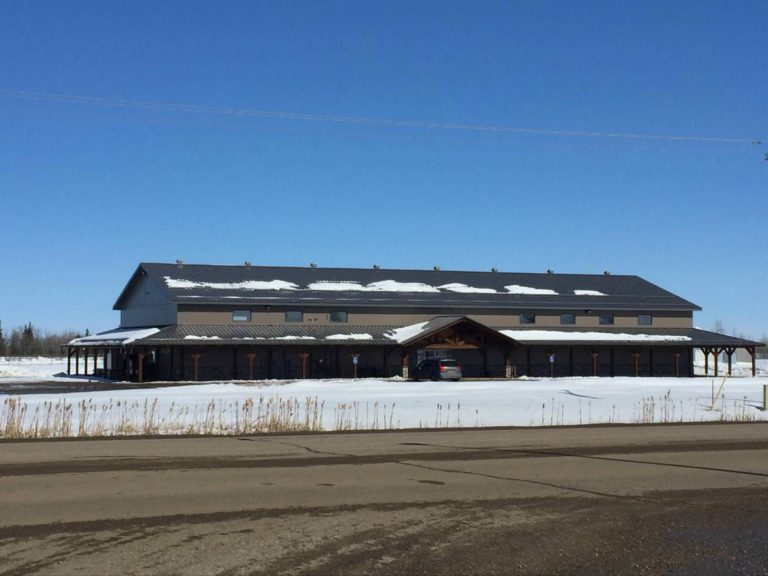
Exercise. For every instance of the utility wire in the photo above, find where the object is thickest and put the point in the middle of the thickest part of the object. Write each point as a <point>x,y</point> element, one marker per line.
<point>358,120</point>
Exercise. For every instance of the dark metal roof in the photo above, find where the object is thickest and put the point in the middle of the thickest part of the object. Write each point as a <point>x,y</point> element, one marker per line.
<point>269,335</point>
<point>198,286</point>
<point>696,337</point>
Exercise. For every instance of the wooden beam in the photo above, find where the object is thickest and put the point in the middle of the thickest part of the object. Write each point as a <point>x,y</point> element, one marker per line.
<point>250,357</point>
<point>141,366</point>
<point>195,364</point>
<point>85,370</point>
<point>304,357</point>
<point>751,350</point>
<point>69,360</point>
<point>594,362</point>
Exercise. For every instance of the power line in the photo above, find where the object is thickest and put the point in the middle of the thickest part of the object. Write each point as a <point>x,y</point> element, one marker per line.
<point>358,120</point>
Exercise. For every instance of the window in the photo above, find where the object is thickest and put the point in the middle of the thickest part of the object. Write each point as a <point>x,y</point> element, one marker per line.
<point>567,318</point>
<point>294,316</point>
<point>241,315</point>
<point>644,320</point>
<point>338,316</point>
<point>527,318</point>
<point>606,319</point>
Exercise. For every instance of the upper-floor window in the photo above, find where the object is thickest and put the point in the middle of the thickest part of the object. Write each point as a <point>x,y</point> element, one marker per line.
<point>644,320</point>
<point>567,318</point>
<point>527,318</point>
<point>294,316</point>
<point>606,319</point>
<point>338,316</point>
<point>241,315</point>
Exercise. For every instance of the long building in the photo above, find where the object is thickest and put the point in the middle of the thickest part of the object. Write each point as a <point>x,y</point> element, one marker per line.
<point>209,322</point>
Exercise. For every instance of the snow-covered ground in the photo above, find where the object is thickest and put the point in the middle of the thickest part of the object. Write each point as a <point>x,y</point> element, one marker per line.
<point>227,407</point>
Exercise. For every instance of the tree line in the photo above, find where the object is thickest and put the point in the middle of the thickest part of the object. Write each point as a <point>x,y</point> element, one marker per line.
<point>29,341</point>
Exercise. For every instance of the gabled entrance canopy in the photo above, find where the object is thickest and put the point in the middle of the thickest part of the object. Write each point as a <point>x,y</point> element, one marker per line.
<point>456,333</point>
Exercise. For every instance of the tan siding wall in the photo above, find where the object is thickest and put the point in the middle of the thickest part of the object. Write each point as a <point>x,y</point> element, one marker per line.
<point>147,305</point>
<point>550,320</point>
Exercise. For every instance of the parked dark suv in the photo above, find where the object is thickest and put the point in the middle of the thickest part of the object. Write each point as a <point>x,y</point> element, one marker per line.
<point>438,369</point>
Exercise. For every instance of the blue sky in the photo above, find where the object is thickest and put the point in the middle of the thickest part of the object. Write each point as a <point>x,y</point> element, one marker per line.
<point>89,189</point>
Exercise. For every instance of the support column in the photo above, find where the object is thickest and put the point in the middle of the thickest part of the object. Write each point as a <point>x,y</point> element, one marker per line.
<point>570,360</point>
<point>250,356</point>
<point>751,350</point>
<point>507,363</point>
<point>706,361</point>
<point>384,356</point>
<point>171,363</point>
<point>594,362</point>
<point>613,362</point>
<point>676,354</point>
<point>355,359</point>
<point>636,356</point>
<point>716,352</point>
<point>405,360</point>
<point>650,360</point>
<point>729,352</point>
<point>304,357</point>
<point>69,361</point>
<point>77,362</point>
<point>141,365</point>
<point>196,365</point>
<point>234,362</point>
<point>181,364</point>
<point>550,358</point>
<point>85,370</point>
<point>269,363</point>
<point>528,361</point>
<point>336,362</point>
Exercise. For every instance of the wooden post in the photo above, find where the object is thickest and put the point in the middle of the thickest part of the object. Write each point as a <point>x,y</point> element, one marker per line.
<point>706,361</point>
<point>304,356</point>
<point>250,356</point>
<point>355,358</point>
<point>172,354</point>
<point>69,360</point>
<point>716,352</point>
<point>181,364</point>
<point>195,363</point>
<point>269,363</point>
<point>85,370</point>
<point>751,350</point>
<point>570,360</point>
<point>677,363</point>
<point>507,364</point>
<point>234,362</point>
<point>613,362</point>
<point>528,361</point>
<point>405,364</point>
<point>650,360</point>
<point>141,366</point>
<point>729,352</point>
<point>384,356</point>
<point>594,363</point>
<point>636,356</point>
<point>550,359</point>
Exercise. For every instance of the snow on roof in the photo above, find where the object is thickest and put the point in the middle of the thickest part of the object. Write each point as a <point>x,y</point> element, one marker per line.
<point>192,337</point>
<point>114,337</point>
<point>588,293</point>
<point>518,289</point>
<point>555,335</point>
<point>406,332</point>
<point>464,289</point>
<point>246,285</point>
<point>349,337</point>
<point>294,338</point>
<point>382,286</point>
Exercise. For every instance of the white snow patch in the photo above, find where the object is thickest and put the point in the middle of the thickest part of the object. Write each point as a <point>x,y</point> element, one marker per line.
<point>464,289</point>
<point>556,335</point>
<point>193,337</point>
<point>406,332</point>
<point>245,285</point>
<point>518,289</point>
<point>114,337</point>
<point>349,337</point>
<point>382,286</point>
<point>293,338</point>
<point>588,293</point>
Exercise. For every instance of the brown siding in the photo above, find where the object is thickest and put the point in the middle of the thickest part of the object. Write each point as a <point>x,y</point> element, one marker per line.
<point>212,315</point>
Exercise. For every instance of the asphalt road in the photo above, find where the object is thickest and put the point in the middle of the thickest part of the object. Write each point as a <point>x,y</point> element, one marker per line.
<point>684,499</point>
